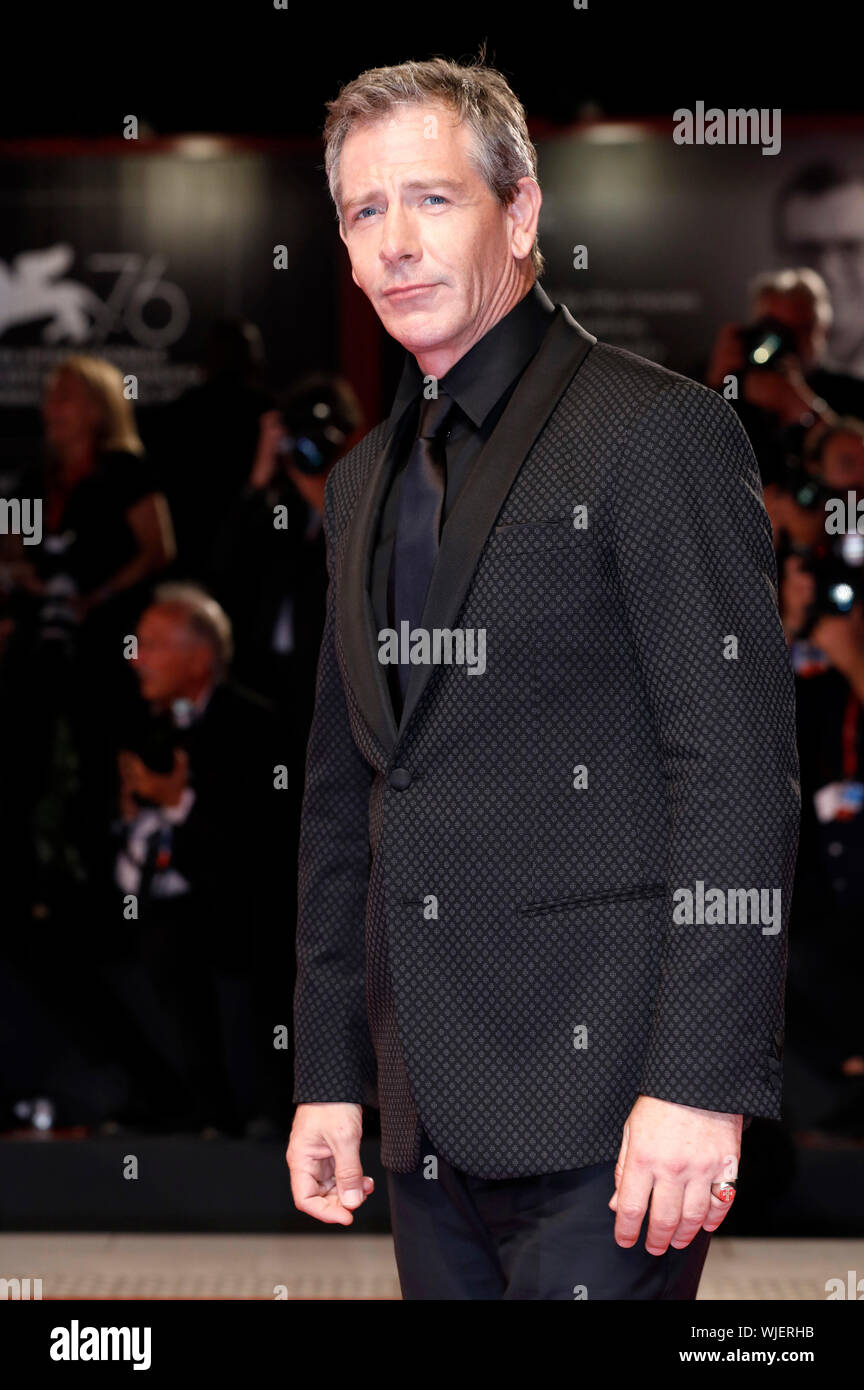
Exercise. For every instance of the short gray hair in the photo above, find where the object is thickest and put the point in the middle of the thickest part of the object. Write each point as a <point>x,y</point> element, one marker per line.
<point>204,618</point>
<point>801,282</point>
<point>478,95</point>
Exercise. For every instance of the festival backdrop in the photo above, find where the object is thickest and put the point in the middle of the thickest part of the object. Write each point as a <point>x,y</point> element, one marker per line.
<point>131,254</point>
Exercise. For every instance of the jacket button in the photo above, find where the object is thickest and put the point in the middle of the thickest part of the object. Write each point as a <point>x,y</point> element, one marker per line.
<point>400,778</point>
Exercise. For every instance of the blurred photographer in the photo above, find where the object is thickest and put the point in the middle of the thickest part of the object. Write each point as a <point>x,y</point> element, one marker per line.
<point>822,608</point>
<point>784,385</point>
<point>274,565</point>
<point>204,442</point>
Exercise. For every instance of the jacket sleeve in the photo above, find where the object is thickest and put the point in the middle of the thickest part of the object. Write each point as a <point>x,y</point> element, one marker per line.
<point>334,1056</point>
<point>698,580</point>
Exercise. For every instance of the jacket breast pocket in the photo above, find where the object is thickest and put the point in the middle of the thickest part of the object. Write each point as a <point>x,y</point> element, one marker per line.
<point>615,895</point>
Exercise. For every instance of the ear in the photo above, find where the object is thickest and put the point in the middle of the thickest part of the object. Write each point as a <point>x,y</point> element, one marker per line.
<point>524,214</point>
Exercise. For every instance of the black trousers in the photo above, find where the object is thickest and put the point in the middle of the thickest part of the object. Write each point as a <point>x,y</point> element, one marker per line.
<point>549,1237</point>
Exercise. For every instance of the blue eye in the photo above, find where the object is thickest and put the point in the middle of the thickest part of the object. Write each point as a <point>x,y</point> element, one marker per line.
<point>361,215</point>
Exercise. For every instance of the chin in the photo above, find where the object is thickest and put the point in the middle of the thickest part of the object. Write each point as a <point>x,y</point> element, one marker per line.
<point>421,333</point>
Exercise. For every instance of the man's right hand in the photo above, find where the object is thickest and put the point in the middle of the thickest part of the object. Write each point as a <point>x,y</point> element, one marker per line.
<point>323,1156</point>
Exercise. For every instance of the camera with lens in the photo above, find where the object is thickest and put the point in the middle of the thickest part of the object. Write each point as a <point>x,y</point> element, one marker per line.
<point>766,342</point>
<point>319,412</point>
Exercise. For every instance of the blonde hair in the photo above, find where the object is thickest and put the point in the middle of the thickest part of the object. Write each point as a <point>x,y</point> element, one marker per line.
<point>476,94</point>
<point>104,381</point>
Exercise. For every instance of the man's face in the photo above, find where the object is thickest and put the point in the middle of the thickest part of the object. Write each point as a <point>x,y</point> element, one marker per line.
<point>171,660</point>
<point>417,216</point>
<point>799,315</point>
<point>826,231</point>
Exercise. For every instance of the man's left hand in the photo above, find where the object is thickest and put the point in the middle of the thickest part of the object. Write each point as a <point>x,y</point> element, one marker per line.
<point>670,1155</point>
<point>165,789</point>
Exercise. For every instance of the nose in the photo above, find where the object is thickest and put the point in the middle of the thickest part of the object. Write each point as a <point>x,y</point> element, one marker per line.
<point>399,241</point>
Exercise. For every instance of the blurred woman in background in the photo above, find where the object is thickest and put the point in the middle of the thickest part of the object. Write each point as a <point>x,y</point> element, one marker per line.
<point>107,534</point>
<point>103,508</point>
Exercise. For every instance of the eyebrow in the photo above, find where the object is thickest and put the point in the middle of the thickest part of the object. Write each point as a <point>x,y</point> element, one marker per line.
<point>412,186</point>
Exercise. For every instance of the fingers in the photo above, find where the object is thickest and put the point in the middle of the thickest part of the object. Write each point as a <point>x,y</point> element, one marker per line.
<point>634,1192</point>
<point>317,1197</point>
<point>667,1201</point>
<point>323,1155</point>
<point>619,1166</point>
<point>676,1213</point>
<point>348,1172</point>
<point>695,1207</point>
<point>315,1190</point>
<point>717,1213</point>
<point>719,1207</point>
<point>327,1205</point>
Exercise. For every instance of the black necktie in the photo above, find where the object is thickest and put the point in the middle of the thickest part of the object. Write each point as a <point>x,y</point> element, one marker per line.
<point>418,522</point>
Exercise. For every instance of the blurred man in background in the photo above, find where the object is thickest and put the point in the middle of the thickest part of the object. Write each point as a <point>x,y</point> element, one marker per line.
<point>201,837</point>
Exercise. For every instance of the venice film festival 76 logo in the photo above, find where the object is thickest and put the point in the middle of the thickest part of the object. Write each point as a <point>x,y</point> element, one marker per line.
<point>139,301</point>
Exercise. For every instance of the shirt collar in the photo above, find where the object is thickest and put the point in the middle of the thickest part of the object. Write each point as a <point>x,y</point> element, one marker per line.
<point>479,379</point>
<point>185,712</point>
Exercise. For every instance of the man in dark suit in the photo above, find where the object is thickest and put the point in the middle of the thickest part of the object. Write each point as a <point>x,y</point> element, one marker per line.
<point>201,847</point>
<point>551,805</point>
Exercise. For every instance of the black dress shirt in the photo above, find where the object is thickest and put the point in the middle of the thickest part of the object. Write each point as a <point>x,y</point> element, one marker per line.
<point>481,384</point>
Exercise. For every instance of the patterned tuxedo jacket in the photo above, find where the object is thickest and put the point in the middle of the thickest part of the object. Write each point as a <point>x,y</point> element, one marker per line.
<point>491,937</point>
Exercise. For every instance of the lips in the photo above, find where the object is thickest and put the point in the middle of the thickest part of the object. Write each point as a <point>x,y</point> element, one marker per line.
<point>401,291</point>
